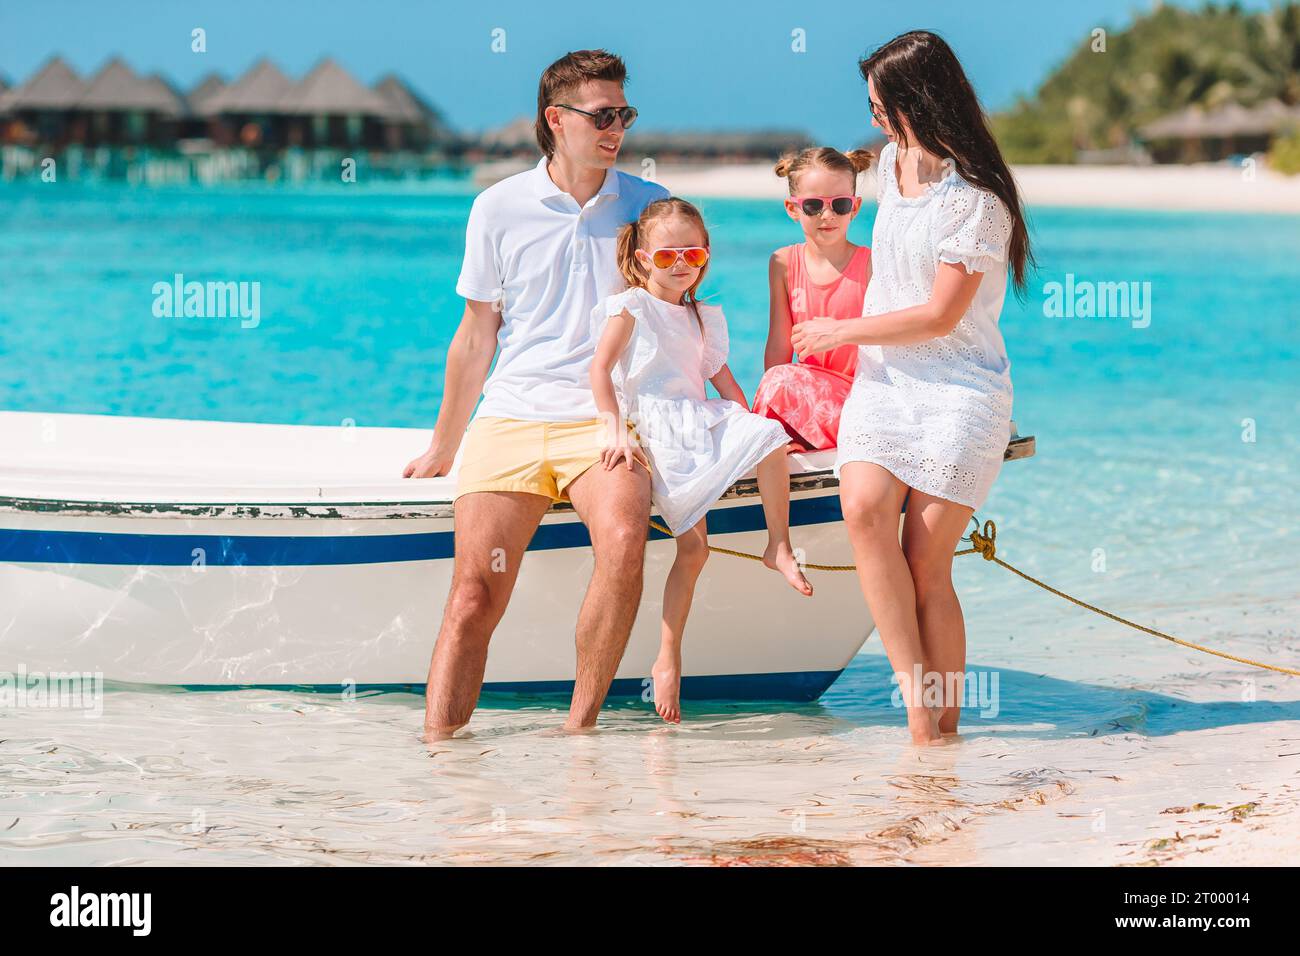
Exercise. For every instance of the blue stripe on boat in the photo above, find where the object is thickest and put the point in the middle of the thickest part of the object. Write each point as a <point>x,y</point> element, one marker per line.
<point>28,546</point>
<point>791,686</point>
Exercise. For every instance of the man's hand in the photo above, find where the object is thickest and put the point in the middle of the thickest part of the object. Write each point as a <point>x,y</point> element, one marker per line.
<point>434,463</point>
<point>468,359</point>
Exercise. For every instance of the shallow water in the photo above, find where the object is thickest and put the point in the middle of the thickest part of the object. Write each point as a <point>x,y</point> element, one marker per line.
<point>1143,498</point>
<point>263,776</point>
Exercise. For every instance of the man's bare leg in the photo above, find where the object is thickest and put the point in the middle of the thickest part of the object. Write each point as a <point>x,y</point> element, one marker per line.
<point>493,529</point>
<point>614,504</point>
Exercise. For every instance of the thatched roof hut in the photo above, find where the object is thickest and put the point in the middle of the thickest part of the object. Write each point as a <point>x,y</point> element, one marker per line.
<point>407,106</point>
<point>410,122</point>
<point>1231,119</point>
<point>260,90</point>
<point>518,134</point>
<point>263,107</point>
<point>331,90</point>
<point>55,86</point>
<point>117,88</point>
<point>751,144</point>
<point>1196,133</point>
<point>204,90</point>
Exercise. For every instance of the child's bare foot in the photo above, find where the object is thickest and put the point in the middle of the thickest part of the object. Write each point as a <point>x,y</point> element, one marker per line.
<point>667,674</point>
<point>779,556</point>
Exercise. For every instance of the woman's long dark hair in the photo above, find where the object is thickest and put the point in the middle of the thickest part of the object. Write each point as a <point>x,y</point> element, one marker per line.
<point>917,78</point>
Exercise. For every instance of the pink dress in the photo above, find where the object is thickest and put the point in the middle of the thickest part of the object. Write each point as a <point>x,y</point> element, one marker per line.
<point>807,397</point>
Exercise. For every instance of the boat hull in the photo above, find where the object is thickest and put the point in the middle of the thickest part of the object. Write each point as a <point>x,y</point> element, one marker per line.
<point>215,554</point>
<point>350,594</point>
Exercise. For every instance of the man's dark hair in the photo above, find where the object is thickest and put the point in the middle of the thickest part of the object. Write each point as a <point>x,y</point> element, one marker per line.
<point>563,78</point>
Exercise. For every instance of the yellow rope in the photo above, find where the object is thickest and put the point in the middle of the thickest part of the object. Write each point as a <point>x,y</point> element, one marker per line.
<point>758,557</point>
<point>984,542</point>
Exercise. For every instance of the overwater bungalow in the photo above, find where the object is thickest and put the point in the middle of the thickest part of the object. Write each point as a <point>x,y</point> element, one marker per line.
<point>742,146</point>
<point>329,108</point>
<point>44,109</point>
<point>195,124</point>
<point>125,109</point>
<point>247,112</point>
<point>410,123</point>
<point>1195,134</point>
<point>516,138</point>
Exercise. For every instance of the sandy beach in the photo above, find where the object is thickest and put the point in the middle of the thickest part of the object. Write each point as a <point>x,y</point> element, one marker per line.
<point>1202,187</point>
<point>1209,187</point>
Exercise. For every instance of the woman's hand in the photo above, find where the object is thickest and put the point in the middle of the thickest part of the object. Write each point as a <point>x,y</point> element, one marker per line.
<point>815,335</point>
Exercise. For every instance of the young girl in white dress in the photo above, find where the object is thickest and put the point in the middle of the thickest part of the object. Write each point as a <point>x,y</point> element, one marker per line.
<point>928,417</point>
<point>657,346</point>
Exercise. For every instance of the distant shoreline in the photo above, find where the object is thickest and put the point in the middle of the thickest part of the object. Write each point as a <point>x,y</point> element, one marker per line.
<point>1208,187</point>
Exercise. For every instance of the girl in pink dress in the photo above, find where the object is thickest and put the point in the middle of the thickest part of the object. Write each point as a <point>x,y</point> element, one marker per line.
<point>823,276</point>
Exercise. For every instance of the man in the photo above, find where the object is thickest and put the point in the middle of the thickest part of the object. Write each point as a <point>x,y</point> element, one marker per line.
<point>539,256</point>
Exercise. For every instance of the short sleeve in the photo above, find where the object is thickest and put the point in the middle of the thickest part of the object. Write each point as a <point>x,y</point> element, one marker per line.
<point>480,273</point>
<point>716,342</point>
<point>974,229</point>
<point>609,307</point>
<point>641,346</point>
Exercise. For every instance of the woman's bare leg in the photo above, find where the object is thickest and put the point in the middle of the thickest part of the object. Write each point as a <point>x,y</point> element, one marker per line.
<point>872,500</point>
<point>774,487</point>
<point>692,552</point>
<point>931,531</point>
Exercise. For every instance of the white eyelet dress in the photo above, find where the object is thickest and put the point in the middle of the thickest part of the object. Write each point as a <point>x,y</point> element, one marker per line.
<point>936,414</point>
<point>697,446</point>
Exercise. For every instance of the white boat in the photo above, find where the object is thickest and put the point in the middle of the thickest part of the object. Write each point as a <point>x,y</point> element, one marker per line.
<point>216,554</point>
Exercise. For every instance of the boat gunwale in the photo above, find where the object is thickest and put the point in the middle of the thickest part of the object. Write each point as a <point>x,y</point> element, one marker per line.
<point>1020,447</point>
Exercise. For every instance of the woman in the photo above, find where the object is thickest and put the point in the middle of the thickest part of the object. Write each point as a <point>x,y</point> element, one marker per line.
<point>928,418</point>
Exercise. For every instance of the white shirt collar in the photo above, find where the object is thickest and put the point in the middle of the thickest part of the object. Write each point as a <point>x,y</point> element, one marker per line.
<point>546,186</point>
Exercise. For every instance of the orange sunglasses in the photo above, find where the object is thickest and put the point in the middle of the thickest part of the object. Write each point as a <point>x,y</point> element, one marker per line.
<point>693,256</point>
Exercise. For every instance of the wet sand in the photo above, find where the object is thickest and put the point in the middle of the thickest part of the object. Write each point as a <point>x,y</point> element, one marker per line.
<point>1068,771</point>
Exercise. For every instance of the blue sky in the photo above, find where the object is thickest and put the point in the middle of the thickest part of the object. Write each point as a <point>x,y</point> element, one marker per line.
<point>705,64</point>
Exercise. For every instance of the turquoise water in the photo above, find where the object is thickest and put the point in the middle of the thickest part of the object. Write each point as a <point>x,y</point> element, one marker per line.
<point>1140,429</point>
<point>1143,497</point>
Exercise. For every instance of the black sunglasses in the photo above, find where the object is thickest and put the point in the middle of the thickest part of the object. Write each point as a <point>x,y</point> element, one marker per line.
<point>604,117</point>
<point>813,205</point>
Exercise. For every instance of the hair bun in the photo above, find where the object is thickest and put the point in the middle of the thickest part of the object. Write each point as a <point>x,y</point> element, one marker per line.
<point>862,159</point>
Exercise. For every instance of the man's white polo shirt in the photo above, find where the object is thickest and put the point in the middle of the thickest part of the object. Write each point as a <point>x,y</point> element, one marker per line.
<point>550,262</point>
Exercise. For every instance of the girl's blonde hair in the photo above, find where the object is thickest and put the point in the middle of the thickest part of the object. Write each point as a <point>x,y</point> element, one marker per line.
<point>853,162</point>
<point>631,236</point>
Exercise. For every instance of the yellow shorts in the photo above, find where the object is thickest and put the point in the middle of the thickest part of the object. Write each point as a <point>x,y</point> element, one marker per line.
<point>541,458</point>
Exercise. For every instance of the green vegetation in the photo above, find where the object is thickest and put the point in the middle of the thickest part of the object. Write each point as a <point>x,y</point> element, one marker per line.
<point>1167,60</point>
<point>1284,157</point>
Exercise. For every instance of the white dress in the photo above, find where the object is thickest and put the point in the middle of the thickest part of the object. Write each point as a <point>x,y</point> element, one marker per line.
<point>936,414</point>
<point>697,446</point>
